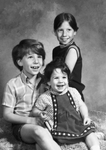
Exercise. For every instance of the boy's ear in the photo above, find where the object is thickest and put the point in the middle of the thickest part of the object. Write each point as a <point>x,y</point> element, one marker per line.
<point>75,32</point>
<point>19,62</point>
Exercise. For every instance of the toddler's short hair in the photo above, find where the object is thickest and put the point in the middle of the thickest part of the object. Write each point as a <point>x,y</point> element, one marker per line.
<point>56,63</point>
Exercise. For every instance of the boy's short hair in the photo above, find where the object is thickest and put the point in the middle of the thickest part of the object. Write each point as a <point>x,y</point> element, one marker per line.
<point>25,47</point>
<point>56,63</point>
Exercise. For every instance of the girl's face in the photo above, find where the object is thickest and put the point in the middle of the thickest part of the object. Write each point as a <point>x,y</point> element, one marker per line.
<point>65,33</point>
<point>32,64</point>
<point>59,81</point>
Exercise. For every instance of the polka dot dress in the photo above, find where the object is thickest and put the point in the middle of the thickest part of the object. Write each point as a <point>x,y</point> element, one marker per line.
<point>68,125</point>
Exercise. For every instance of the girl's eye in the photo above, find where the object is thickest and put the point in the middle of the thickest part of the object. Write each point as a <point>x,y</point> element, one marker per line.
<point>59,30</point>
<point>64,77</point>
<point>69,29</point>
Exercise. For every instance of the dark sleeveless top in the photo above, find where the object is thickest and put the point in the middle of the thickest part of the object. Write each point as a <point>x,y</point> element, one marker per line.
<point>68,125</point>
<point>77,71</point>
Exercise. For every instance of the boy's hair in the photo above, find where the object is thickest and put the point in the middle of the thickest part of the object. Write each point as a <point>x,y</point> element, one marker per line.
<point>65,17</point>
<point>25,47</point>
<point>56,63</point>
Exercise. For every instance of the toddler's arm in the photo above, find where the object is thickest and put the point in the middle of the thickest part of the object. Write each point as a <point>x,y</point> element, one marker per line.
<point>81,106</point>
<point>84,114</point>
<point>43,116</point>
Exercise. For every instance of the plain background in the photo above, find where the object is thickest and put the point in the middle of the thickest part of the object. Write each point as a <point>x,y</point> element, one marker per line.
<point>21,19</point>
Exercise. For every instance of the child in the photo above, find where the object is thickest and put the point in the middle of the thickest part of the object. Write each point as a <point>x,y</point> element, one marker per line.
<point>65,29</point>
<point>21,93</point>
<point>63,110</point>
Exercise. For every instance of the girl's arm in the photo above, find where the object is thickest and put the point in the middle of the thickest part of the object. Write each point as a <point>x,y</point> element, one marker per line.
<point>71,58</point>
<point>14,118</point>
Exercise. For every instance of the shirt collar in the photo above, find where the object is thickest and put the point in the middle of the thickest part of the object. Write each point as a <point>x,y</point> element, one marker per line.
<point>24,77</point>
<point>26,80</point>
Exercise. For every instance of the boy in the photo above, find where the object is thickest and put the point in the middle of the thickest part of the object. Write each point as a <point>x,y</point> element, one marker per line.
<point>21,93</point>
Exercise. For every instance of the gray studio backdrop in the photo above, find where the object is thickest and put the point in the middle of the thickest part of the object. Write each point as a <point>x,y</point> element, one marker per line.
<point>34,19</point>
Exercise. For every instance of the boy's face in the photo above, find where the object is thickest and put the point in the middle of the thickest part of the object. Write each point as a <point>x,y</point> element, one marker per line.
<point>58,81</point>
<point>32,64</point>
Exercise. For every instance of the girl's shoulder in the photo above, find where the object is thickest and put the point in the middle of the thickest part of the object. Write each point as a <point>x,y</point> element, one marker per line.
<point>75,47</point>
<point>55,48</point>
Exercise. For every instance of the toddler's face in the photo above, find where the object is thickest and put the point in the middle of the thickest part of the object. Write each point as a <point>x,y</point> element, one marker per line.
<point>65,33</point>
<point>59,81</point>
<point>32,64</point>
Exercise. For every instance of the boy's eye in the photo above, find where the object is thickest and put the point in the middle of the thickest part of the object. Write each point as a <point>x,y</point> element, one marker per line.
<point>30,56</point>
<point>39,56</point>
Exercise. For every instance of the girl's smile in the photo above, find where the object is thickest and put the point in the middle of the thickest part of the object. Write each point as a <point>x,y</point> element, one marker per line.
<point>65,33</point>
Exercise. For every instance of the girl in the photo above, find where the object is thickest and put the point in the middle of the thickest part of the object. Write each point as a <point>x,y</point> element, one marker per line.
<point>21,93</point>
<point>62,109</point>
<point>65,28</point>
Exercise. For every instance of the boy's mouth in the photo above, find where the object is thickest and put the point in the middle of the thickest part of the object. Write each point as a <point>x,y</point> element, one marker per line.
<point>35,67</point>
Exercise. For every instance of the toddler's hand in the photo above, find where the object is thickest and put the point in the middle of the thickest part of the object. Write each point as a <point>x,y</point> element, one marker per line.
<point>87,121</point>
<point>43,115</point>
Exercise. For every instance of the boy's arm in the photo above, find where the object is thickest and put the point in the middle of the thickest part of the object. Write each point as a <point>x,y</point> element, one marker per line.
<point>14,118</point>
<point>36,112</point>
<point>8,103</point>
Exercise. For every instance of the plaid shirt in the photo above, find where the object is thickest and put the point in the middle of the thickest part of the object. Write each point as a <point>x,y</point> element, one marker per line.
<point>21,95</point>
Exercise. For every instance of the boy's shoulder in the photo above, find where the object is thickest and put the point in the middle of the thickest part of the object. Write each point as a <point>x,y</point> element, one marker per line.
<point>14,80</point>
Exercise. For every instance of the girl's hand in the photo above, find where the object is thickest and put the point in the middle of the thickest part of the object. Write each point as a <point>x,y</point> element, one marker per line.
<point>87,121</point>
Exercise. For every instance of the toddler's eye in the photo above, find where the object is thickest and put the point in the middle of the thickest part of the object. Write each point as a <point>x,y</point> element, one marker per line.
<point>56,78</point>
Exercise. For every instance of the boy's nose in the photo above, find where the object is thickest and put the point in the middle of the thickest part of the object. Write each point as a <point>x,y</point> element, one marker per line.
<point>35,60</point>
